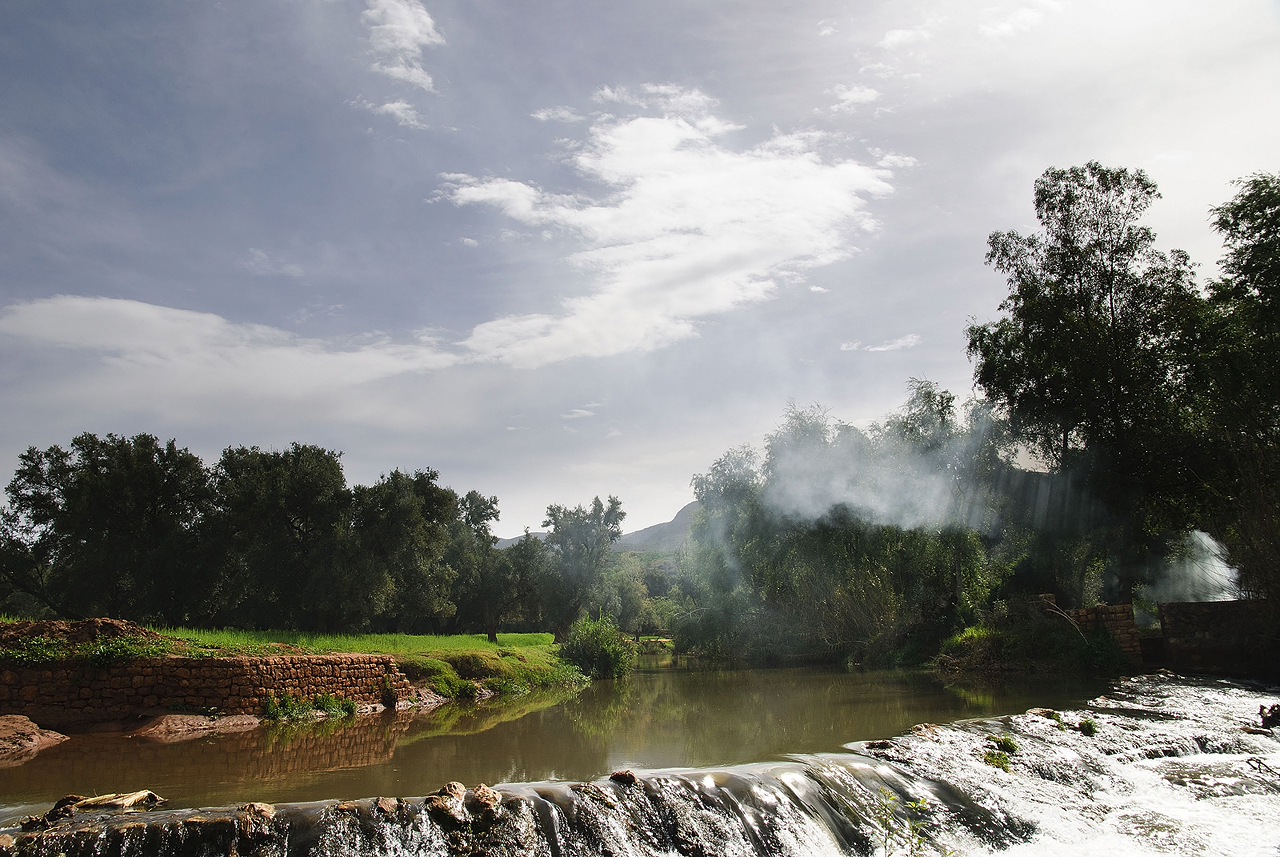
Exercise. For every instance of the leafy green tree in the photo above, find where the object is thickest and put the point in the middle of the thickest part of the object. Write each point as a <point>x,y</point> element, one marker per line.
<point>399,533</point>
<point>1089,361</point>
<point>580,539</point>
<point>491,588</point>
<point>282,519</point>
<point>1239,378</point>
<point>110,526</point>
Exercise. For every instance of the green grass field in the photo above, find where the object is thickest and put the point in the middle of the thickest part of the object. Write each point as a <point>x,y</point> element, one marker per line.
<point>232,641</point>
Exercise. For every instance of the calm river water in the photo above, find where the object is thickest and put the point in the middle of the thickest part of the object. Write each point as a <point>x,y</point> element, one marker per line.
<point>654,719</point>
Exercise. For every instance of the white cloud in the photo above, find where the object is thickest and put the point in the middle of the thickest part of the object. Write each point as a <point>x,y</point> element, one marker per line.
<point>851,96</point>
<point>690,228</point>
<point>899,38</point>
<point>471,242</point>
<point>819,289</point>
<point>1018,21</point>
<point>827,30</point>
<point>556,114</point>
<point>891,159</point>
<point>398,31</point>
<point>402,111</point>
<point>577,414</point>
<point>613,432</point>
<point>260,263</point>
<point>911,340</point>
<point>175,352</point>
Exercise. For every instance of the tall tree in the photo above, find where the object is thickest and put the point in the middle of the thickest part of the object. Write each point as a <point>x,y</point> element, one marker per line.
<point>1090,359</point>
<point>281,515</point>
<point>1240,382</point>
<point>398,536</point>
<point>580,539</point>
<point>110,526</point>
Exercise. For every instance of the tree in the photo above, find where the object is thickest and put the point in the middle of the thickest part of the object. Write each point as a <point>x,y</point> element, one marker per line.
<point>1239,383</point>
<point>110,526</point>
<point>580,539</point>
<point>399,536</point>
<point>281,517</point>
<point>1090,360</point>
<point>491,589</point>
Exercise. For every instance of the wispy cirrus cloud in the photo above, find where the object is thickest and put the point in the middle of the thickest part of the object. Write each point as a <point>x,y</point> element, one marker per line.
<point>911,340</point>
<point>398,31</point>
<point>557,114</point>
<point>691,226</point>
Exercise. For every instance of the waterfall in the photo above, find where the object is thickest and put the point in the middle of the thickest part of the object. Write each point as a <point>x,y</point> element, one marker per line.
<point>1160,765</point>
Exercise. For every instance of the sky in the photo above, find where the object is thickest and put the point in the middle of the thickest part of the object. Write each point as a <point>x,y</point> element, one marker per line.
<point>561,249</point>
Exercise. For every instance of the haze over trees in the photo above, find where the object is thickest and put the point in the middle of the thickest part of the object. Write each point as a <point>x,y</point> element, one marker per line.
<point>1125,411</point>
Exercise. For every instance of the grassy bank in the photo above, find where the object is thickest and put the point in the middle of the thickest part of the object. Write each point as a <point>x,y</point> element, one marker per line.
<point>456,666</point>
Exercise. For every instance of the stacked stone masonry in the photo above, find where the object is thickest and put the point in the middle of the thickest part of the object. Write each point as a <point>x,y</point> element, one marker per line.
<point>1116,620</point>
<point>1233,637</point>
<point>83,694</point>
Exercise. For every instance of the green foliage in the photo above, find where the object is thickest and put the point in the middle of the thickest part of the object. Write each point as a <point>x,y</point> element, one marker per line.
<point>1088,727</point>
<point>997,759</point>
<point>579,539</point>
<point>598,648</point>
<point>1003,743</point>
<point>287,707</point>
<point>910,831</point>
<point>36,650</point>
<point>333,706</point>
<point>99,654</point>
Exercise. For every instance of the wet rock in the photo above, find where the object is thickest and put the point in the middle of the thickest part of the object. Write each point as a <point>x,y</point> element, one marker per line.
<point>445,806</point>
<point>485,806</point>
<point>21,740</point>
<point>1046,713</point>
<point>386,805</point>
<point>626,778</point>
<point>1270,716</point>
<point>348,807</point>
<point>263,811</point>
<point>927,730</point>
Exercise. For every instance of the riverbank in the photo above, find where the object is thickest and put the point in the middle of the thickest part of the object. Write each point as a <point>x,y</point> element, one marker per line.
<point>110,675</point>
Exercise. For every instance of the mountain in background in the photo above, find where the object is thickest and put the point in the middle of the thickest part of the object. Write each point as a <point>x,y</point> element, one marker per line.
<point>666,537</point>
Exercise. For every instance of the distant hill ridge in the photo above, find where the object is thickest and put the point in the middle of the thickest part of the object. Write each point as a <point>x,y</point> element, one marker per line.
<point>670,536</point>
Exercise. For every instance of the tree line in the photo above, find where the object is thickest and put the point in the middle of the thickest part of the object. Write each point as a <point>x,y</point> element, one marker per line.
<point>132,528</point>
<point>1122,409</point>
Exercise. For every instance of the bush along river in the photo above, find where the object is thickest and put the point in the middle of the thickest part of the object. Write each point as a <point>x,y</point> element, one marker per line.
<point>723,763</point>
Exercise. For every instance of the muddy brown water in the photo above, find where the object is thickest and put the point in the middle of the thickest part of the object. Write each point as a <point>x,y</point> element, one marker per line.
<point>654,719</point>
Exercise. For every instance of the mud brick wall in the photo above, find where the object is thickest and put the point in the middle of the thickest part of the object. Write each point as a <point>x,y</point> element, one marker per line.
<point>71,693</point>
<point>1227,637</point>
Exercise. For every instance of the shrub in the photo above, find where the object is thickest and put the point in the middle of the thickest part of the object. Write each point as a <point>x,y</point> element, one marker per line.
<point>287,707</point>
<point>1088,727</point>
<point>598,648</point>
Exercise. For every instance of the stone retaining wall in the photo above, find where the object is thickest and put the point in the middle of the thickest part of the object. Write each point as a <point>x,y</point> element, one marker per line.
<point>1231,637</point>
<point>1116,620</point>
<point>81,694</point>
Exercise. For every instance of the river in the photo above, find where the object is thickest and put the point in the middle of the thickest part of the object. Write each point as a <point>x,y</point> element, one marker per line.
<point>778,762</point>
